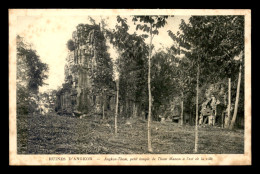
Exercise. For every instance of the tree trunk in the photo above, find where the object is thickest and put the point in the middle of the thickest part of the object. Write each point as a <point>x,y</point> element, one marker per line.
<point>103,110</point>
<point>134,110</point>
<point>223,112</point>
<point>181,108</point>
<point>222,119</point>
<point>190,119</point>
<point>103,105</point>
<point>227,120</point>
<point>124,109</point>
<point>237,99</point>
<point>117,93</point>
<point>197,113</point>
<point>205,120</point>
<point>214,122</point>
<point>128,109</point>
<point>149,92</point>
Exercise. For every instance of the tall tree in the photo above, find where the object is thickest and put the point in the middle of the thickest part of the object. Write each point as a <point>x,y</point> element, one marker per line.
<point>31,73</point>
<point>237,94</point>
<point>116,38</point>
<point>129,65</point>
<point>197,111</point>
<point>117,98</point>
<point>227,120</point>
<point>151,24</point>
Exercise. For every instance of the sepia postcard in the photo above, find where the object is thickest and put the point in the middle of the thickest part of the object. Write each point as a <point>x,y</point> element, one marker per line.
<point>129,87</point>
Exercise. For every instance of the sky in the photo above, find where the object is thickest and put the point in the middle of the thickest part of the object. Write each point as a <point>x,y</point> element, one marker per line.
<point>49,35</point>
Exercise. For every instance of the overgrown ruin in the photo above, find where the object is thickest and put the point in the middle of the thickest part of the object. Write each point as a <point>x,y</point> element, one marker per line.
<point>88,86</point>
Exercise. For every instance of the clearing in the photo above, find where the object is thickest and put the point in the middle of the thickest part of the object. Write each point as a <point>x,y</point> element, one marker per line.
<point>71,135</point>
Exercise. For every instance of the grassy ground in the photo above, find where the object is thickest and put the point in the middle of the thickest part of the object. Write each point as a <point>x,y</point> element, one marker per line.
<point>69,135</point>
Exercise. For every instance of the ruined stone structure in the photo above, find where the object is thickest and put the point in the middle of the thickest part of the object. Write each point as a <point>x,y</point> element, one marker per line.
<point>80,93</point>
<point>209,109</point>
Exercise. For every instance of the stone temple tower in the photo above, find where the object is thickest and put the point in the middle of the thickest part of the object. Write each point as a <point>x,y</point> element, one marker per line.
<point>79,94</point>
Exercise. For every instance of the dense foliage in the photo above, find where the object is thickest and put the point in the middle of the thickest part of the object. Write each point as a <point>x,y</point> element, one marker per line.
<point>131,67</point>
<point>31,73</point>
<point>212,43</point>
<point>71,45</point>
